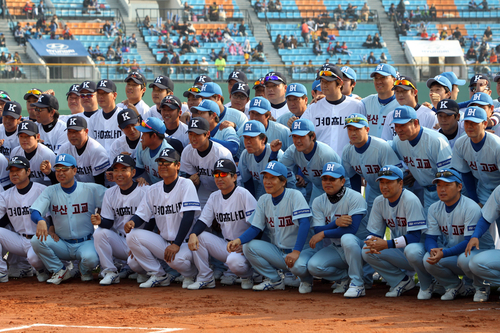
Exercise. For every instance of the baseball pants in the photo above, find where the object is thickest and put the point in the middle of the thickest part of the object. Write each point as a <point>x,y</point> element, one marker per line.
<point>446,271</point>
<point>17,245</point>
<point>485,265</point>
<point>108,245</point>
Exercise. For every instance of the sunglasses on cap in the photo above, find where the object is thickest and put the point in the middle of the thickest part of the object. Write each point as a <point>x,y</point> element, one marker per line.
<point>89,95</point>
<point>221,174</point>
<point>330,73</point>
<point>445,174</point>
<point>194,89</point>
<point>34,92</point>
<point>354,120</point>
<point>5,96</point>
<point>387,173</point>
<point>273,78</point>
<point>404,83</point>
<point>257,83</point>
<point>172,101</point>
<point>144,124</point>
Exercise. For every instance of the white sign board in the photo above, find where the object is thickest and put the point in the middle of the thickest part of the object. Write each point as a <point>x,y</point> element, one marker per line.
<point>437,48</point>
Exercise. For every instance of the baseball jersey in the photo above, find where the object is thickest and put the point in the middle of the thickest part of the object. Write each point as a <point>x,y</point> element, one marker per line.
<point>247,106</point>
<point>4,173</point>
<point>280,222</point>
<point>10,142</point>
<point>92,162</point>
<point>105,131</point>
<point>276,113</point>
<point>70,211</point>
<point>121,207</point>
<point>376,113</point>
<point>273,131</point>
<point>55,138</point>
<point>426,118</point>
<point>283,119</point>
<point>457,224</point>
<point>181,134</point>
<point>232,214</point>
<point>168,208</point>
<point>141,106</point>
<point>227,134</point>
<point>17,207</point>
<point>42,153</point>
<point>491,209</point>
<point>329,121</point>
<point>407,215</point>
<point>145,161</point>
<point>430,153</point>
<point>324,212</point>
<point>64,117</point>
<point>120,146</point>
<point>460,132</point>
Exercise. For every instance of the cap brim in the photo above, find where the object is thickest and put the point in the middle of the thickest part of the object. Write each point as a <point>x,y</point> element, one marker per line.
<point>159,85</point>
<point>242,92</point>
<point>350,77</point>
<point>252,134</point>
<point>296,94</point>
<point>5,100</point>
<point>459,82</point>
<point>30,133</point>
<point>381,73</point>
<point>237,80</point>
<point>172,106</point>
<point>168,159</point>
<point>122,163</point>
<point>128,122</point>
<point>300,133</point>
<point>431,81</point>
<point>387,177</point>
<point>12,114</point>
<point>448,112</point>
<point>73,92</point>
<point>197,131</point>
<point>76,128</point>
<point>329,78</point>
<point>274,81</point>
<point>475,120</point>
<point>258,85</point>
<point>400,121</point>
<point>135,80</point>
<point>187,93</point>
<point>404,87</point>
<point>332,174</point>
<point>199,108</point>
<point>205,94</point>
<point>28,95</point>
<point>479,102</point>
<point>17,166</point>
<point>144,129</point>
<point>65,164</point>
<point>271,172</point>
<point>259,110</point>
<point>40,105</point>
<point>106,90</point>
<point>224,170</point>
<point>357,125</point>
<point>447,180</point>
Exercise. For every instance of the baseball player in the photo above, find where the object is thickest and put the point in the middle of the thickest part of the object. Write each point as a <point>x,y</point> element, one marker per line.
<point>453,220</point>
<point>4,98</point>
<point>34,151</point>
<point>296,100</point>
<point>328,115</point>
<point>193,99</point>
<point>240,97</point>
<point>378,105</point>
<point>88,98</point>
<point>275,84</point>
<point>484,101</point>
<point>171,109</point>
<point>448,115</point>
<point>201,80</point>
<point>127,121</point>
<point>135,90</point>
<point>14,209</point>
<point>51,129</point>
<point>238,76</point>
<point>260,88</point>
<point>349,77</point>
<point>11,118</point>
<point>70,204</point>
<point>31,97</point>
<point>337,216</point>
<point>74,103</point>
<point>173,204</point>
<point>439,88</point>
<point>455,82</point>
<point>5,182</point>
<point>162,87</point>
<point>231,206</point>
<point>402,212</point>
<point>316,89</point>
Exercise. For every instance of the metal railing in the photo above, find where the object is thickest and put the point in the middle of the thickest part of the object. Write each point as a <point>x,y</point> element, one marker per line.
<point>456,15</point>
<point>63,12</point>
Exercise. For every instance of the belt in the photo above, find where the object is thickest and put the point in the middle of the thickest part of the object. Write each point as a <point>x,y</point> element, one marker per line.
<point>431,188</point>
<point>286,251</point>
<point>27,236</point>
<point>79,240</point>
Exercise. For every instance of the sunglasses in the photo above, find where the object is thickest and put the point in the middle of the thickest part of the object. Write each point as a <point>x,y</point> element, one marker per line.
<point>445,174</point>
<point>221,174</point>
<point>63,169</point>
<point>144,124</point>
<point>41,109</point>
<point>86,95</point>
<point>329,73</point>
<point>355,120</point>
<point>5,96</point>
<point>387,173</point>
<point>165,163</point>
<point>273,78</point>
<point>34,92</point>
<point>404,83</point>
<point>194,89</point>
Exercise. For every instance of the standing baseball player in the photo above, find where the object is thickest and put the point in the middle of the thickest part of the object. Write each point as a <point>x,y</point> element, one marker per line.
<point>260,89</point>
<point>70,204</point>
<point>135,90</point>
<point>316,90</point>
<point>11,117</point>
<point>448,115</point>
<point>31,97</point>
<point>201,80</point>
<point>88,98</point>
<point>439,88</point>
<point>127,121</point>
<point>240,104</point>
<point>275,84</point>
<point>296,100</point>
<point>171,109</point>
<point>193,99</point>
<point>162,87</point>
<point>4,98</point>
<point>51,129</point>
<point>349,77</point>
<point>455,82</point>
<point>74,103</point>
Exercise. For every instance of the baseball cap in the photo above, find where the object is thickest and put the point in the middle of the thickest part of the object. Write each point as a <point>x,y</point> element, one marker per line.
<point>106,86</point>
<point>385,70</point>
<point>477,77</point>
<point>403,114</point>
<point>497,77</point>
<point>349,72</point>
<point>296,89</point>
<point>390,172</point>
<point>202,79</point>
<point>152,124</point>
<point>259,83</point>
<point>4,96</point>
<point>76,123</point>
<point>475,114</point>
<point>405,82</point>
<point>481,98</point>
<point>253,128</point>
<point>163,82</point>
<point>452,77</point>
<point>20,162</point>
<point>356,120</point>
<point>259,104</point>
<point>13,109</point>
<point>207,105</point>
<point>225,165</point>
<point>169,155</point>
<point>237,75</point>
<point>448,175</point>
<point>88,85</point>
<point>276,169</point>
<point>74,89</point>
<point>47,101</point>
<point>27,127</point>
<point>127,117</point>
<point>448,106</point>
<point>330,72</point>
<point>440,79</point>
<point>123,159</point>
<point>275,77</point>
<point>171,101</point>
<point>333,169</point>
<point>241,87</point>
<point>316,85</point>
<point>194,90</point>
<point>198,125</point>
<point>66,160</point>
<point>302,127</point>
<point>137,78</point>
<point>209,89</point>
<point>32,92</point>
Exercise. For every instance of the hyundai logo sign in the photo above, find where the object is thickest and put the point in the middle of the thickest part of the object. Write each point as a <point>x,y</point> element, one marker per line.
<point>57,46</point>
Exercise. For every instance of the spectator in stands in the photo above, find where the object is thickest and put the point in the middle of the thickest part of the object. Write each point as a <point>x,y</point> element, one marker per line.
<point>305,32</point>
<point>324,35</point>
<point>242,30</point>
<point>371,59</point>
<point>220,64</point>
<point>194,42</point>
<point>368,42</point>
<point>213,55</point>
<point>234,30</point>
<point>165,61</point>
<point>471,54</point>
<point>90,51</point>
<point>331,49</point>
<point>433,12</point>
<point>474,41</point>
<point>392,12</point>
<point>376,41</point>
<point>106,29</point>
<point>271,7</point>
<point>218,35</point>
<point>472,5</point>
<point>257,56</point>
<point>110,54</point>
<point>484,5</point>
<point>175,60</point>
<point>457,34</point>
<point>338,12</point>
<point>41,9</point>
<point>286,42</point>
<point>424,35</point>
<point>214,12</point>
<point>186,68</point>
<point>53,27</point>
<point>223,53</point>
<point>493,57</point>
<point>159,43</point>
<point>132,41</point>
<point>40,23</point>
<point>365,13</point>
<point>279,6</point>
<point>350,12</point>
<point>135,67</point>
<point>444,34</point>
<point>203,65</point>
<point>117,43</point>
<point>186,13</point>
<point>339,62</point>
<point>232,49</point>
<point>98,53</point>
<point>383,58</point>
<point>86,5</point>
<point>28,10</point>
<point>3,57</point>
<point>404,27</point>
<point>226,34</point>
<point>260,47</point>
<point>190,29</point>
<point>147,22</point>
<point>205,36</point>
<point>487,35</point>
<point>293,41</point>
<point>433,37</point>
<point>345,49</point>
<point>2,40</point>
<point>338,47</point>
<point>401,9</point>
<point>67,33</point>
<point>247,48</point>
<point>185,47</point>
<point>317,48</point>
<point>483,57</point>
<point>258,7</point>
<point>247,68</point>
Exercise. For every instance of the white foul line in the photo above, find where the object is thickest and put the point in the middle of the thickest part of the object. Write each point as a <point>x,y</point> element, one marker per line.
<point>152,329</point>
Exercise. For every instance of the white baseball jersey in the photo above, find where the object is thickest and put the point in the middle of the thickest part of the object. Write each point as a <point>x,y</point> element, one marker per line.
<point>105,131</point>
<point>426,118</point>
<point>407,215</point>
<point>42,153</point>
<point>55,138</point>
<point>4,173</point>
<point>10,142</point>
<point>276,113</point>
<point>168,208</point>
<point>232,214</point>
<point>141,107</point>
<point>120,146</point>
<point>64,117</point>
<point>181,134</point>
<point>460,132</point>
<point>147,162</point>
<point>376,113</point>
<point>329,121</point>
<point>92,162</point>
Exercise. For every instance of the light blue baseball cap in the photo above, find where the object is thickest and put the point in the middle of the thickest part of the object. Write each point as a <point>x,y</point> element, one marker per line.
<point>385,70</point>
<point>390,172</point>
<point>296,89</point>
<point>349,72</point>
<point>357,120</point>
<point>481,98</point>
<point>209,89</point>
<point>442,80</point>
<point>207,105</point>
<point>452,77</point>
<point>152,124</point>
<point>333,169</point>
<point>276,169</point>
<point>475,114</point>
<point>302,127</point>
<point>66,160</point>
<point>316,86</point>
<point>448,175</point>
<point>259,104</point>
<point>253,128</point>
<point>403,114</point>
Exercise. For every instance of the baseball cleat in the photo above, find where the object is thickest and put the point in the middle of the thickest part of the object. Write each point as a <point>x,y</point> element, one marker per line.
<point>268,285</point>
<point>202,285</point>
<point>42,275</point>
<point>187,282</point>
<point>468,291</point>
<point>341,287</point>
<point>179,279</point>
<point>110,278</point>
<point>228,280</point>
<point>427,293</point>
<point>141,278</point>
<point>218,274</point>
<point>60,276</point>
<point>305,287</point>
<point>87,277</point>
<point>4,278</point>
<point>156,281</point>
<point>482,294</point>
<point>291,280</point>
<point>125,272</point>
<point>20,273</point>
<point>354,291</point>
<point>405,285</point>
<point>246,283</point>
<point>451,293</point>
<point>133,276</point>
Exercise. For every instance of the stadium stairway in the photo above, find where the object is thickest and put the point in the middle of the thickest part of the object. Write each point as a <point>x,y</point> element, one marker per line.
<point>142,47</point>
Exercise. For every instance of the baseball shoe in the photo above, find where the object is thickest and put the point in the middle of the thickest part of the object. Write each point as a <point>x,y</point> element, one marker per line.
<point>355,291</point>
<point>427,293</point>
<point>179,279</point>
<point>341,287</point>
<point>405,285</point>
<point>268,285</point>
<point>482,294</point>
<point>246,283</point>
<point>20,273</point>
<point>4,278</point>
<point>141,278</point>
<point>156,281</point>
<point>202,285</point>
<point>42,275</point>
<point>468,291</point>
<point>237,281</point>
<point>451,293</point>
<point>305,287</point>
<point>87,277</point>
<point>110,278</point>
<point>133,276</point>
<point>125,272</point>
<point>291,280</point>
<point>60,276</point>
<point>228,280</point>
<point>218,274</point>
<point>257,278</point>
<point>187,282</point>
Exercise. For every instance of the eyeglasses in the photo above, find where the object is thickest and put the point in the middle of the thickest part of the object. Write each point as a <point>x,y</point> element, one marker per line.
<point>34,92</point>
<point>194,89</point>
<point>89,95</point>
<point>239,96</point>
<point>273,78</point>
<point>404,83</point>
<point>329,73</point>
<point>445,174</point>
<point>5,96</point>
<point>387,173</point>
<point>221,174</point>
<point>355,120</point>
<point>41,109</point>
<point>63,168</point>
<point>165,163</point>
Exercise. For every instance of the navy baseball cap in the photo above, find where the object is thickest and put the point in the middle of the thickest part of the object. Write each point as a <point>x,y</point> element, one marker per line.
<point>253,128</point>
<point>238,76</point>
<point>385,70</point>
<point>475,114</point>
<point>137,78</point>
<point>448,106</point>
<point>452,77</point>
<point>74,89</point>
<point>33,92</point>
<point>152,124</point>
<point>241,87</point>
<point>225,165</point>
<point>4,96</point>
<point>126,117</point>
<point>47,101</point>
<point>333,169</point>
<point>259,104</point>
<point>316,85</point>
<point>13,109</point>
<point>441,80</point>
<point>163,82</point>
<point>88,85</point>
<point>481,98</point>
<point>76,123</point>
<point>169,155</point>
<point>106,86</point>
<point>207,105</point>
<point>171,101</point>
<point>349,73</point>
<point>276,169</point>
<point>66,160</point>
<point>27,127</point>
<point>330,72</point>
<point>390,172</point>
<point>194,90</point>
<point>210,89</point>
<point>411,84</point>
<point>19,162</point>
<point>198,125</point>
<point>123,159</point>
<point>202,79</point>
<point>477,77</point>
<point>403,114</point>
<point>259,83</point>
<point>448,175</point>
<point>296,89</point>
<point>274,77</point>
<point>497,77</point>
<point>357,120</point>
<point>302,127</point>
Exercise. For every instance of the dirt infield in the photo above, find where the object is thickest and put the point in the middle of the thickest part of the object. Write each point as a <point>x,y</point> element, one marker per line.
<point>26,302</point>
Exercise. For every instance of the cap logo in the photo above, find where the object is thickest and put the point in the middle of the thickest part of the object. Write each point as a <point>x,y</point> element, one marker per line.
<point>125,116</point>
<point>203,87</point>
<point>397,113</point>
<point>40,99</point>
<point>271,74</point>
<point>85,85</point>
<point>444,105</point>
<point>61,158</point>
<point>14,159</point>
<point>24,126</point>
<point>293,87</point>
<point>248,127</point>
<point>240,86</point>
<point>296,125</point>
<point>345,68</point>
<point>437,78</point>
<point>158,79</point>
<point>72,122</point>
<point>471,112</point>
<point>119,158</point>
<point>74,87</point>
<point>12,107</point>
<point>234,75</point>
<point>256,102</point>
<point>380,68</point>
<point>164,153</point>
<point>102,84</point>
<point>271,165</point>
<point>476,97</point>
<point>220,164</point>
<point>194,123</point>
<point>202,78</point>
<point>476,77</point>
<point>330,167</point>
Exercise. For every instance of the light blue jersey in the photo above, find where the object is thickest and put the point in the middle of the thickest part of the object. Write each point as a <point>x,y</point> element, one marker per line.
<point>283,119</point>
<point>145,161</point>
<point>376,113</point>
<point>273,131</point>
<point>235,116</point>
